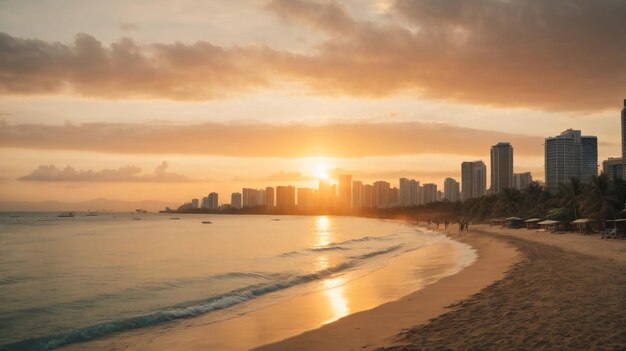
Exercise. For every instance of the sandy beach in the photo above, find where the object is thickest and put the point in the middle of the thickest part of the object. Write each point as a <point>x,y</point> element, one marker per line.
<point>566,293</point>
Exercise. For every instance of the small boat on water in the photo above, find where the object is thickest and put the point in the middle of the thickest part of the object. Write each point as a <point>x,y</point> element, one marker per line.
<point>174,218</point>
<point>207,222</point>
<point>92,213</point>
<point>67,214</point>
<point>275,219</point>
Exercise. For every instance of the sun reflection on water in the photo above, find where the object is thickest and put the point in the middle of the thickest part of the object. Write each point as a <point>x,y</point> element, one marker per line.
<point>322,236</point>
<point>335,294</point>
<point>333,287</point>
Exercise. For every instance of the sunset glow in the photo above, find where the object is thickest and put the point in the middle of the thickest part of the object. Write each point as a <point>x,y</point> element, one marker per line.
<point>250,93</point>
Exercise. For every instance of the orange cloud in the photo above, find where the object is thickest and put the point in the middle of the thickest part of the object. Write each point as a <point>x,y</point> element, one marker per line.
<point>50,173</point>
<point>265,140</point>
<point>556,55</point>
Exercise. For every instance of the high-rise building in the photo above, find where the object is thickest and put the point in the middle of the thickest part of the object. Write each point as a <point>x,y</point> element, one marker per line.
<point>501,167</point>
<point>521,181</point>
<point>430,193</point>
<point>307,199</point>
<point>367,196</point>
<point>624,131</point>
<point>408,193</point>
<point>473,179</point>
<point>345,191</point>
<point>451,190</point>
<point>615,167</point>
<point>269,197</point>
<point>325,194</point>
<point>195,203</point>
<point>285,197</point>
<point>394,194</point>
<point>212,201</point>
<point>235,200</point>
<point>356,193</point>
<point>249,197</point>
<point>570,155</point>
<point>381,194</point>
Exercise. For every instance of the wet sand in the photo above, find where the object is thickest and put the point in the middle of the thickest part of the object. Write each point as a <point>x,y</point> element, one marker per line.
<point>568,292</point>
<point>372,329</point>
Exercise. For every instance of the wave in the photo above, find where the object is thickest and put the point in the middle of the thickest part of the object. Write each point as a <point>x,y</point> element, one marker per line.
<point>340,246</point>
<point>379,252</point>
<point>12,316</point>
<point>14,280</point>
<point>366,238</point>
<point>188,310</point>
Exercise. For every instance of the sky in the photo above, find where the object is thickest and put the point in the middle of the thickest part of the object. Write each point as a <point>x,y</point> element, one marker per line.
<point>171,100</point>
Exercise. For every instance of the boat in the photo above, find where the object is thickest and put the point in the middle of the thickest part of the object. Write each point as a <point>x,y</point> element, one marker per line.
<point>136,218</point>
<point>92,213</point>
<point>275,219</point>
<point>67,214</point>
<point>207,222</point>
<point>174,218</point>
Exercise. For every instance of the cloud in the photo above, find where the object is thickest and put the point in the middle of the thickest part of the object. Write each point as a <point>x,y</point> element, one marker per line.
<point>394,173</point>
<point>50,173</point>
<point>128,70</point>
<point>127,27</point>
<point>554,55</point>
<point>266,140</point>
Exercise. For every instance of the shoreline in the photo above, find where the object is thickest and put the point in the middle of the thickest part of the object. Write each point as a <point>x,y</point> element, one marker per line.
<point>194,334</point>
<point>379,327</point>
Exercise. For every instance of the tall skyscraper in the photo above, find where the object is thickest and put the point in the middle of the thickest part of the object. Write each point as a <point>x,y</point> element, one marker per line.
<point>325,195</point>
<point>212,201</point>
<point>195,203</point>
<point>408,193</point>
<point>356,193</point>
<point>345,191</point>
<point>521,181</point>
<point>570,155</point>
<point>307,199</point>
<point>249,197</point>
<point>367,196</point>
<point>473,179</point>
<point>451,190</point>
<point>501,167</point>
<point>394,195</point>
<point>430,193</point>
<point>624,131</point>
<point>235,200</point>
<point>285,197</point>
<point>381,194</point>
<point>269,197</point>
<point>615,167</point>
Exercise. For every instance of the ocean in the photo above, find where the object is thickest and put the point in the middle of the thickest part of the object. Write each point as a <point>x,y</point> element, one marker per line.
<point>69,280</point>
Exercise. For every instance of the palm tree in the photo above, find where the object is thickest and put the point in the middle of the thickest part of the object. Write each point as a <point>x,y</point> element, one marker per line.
<point>508,202</point>
<point>601,199</point>
<point>571,194</point>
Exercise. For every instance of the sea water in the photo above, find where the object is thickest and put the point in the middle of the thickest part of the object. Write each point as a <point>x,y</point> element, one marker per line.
<point>68,280</point>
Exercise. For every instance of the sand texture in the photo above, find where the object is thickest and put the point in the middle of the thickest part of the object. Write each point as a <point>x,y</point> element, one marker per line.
<point>552,299</point>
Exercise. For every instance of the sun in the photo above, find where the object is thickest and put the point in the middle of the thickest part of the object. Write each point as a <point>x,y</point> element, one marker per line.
<point>321,172</point>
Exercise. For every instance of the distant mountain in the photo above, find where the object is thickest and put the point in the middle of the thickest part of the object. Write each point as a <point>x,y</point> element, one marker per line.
<point>99,204</point>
